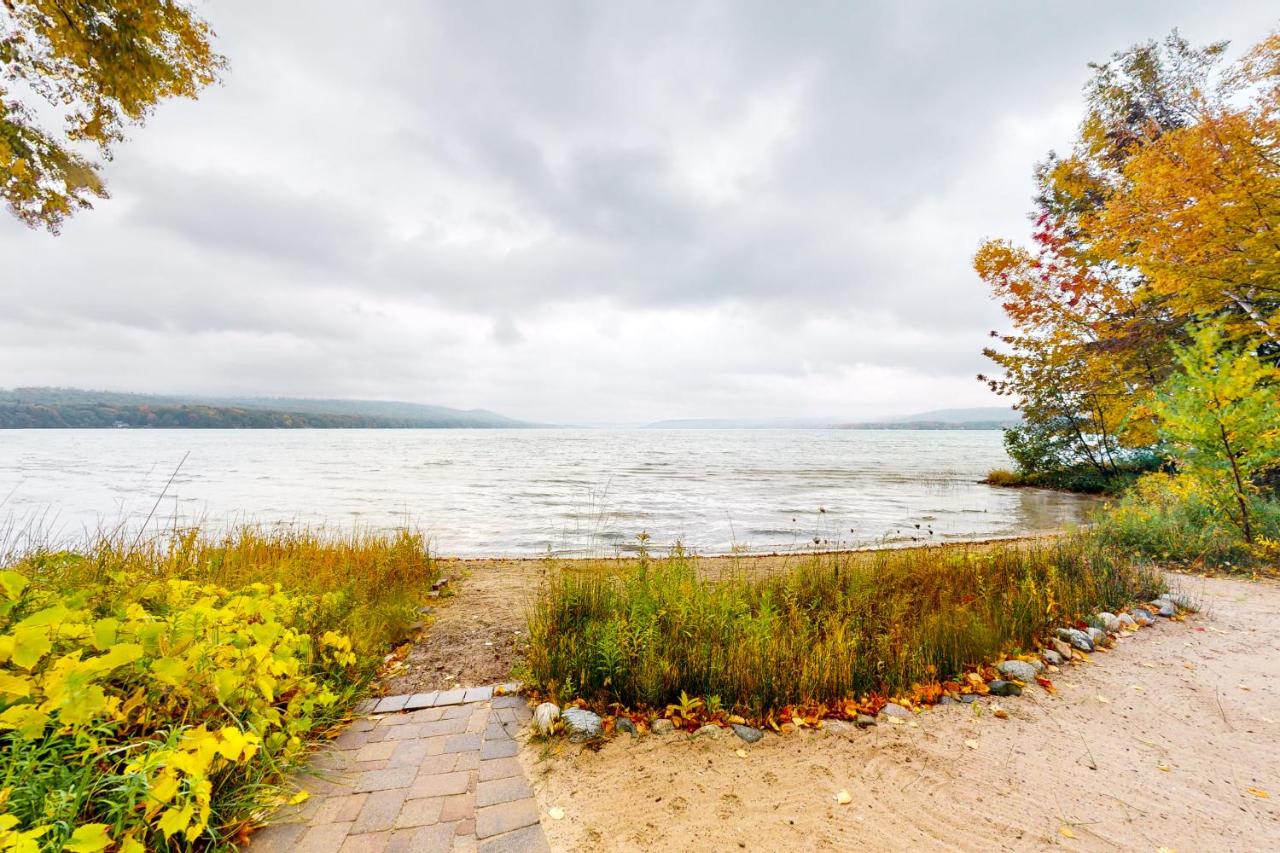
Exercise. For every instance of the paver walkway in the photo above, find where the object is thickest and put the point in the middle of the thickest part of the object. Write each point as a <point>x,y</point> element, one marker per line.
<point>424,773</point>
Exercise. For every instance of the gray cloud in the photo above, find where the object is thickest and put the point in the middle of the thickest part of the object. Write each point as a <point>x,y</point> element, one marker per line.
<point>563,211</point>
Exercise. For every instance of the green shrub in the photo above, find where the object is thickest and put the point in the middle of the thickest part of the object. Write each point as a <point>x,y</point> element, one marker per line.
<point>146,705</point>
<point>836,627</point>
<point>1169,518</point>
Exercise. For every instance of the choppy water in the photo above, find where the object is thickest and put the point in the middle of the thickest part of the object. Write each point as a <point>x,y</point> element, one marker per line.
<point>521,492</point>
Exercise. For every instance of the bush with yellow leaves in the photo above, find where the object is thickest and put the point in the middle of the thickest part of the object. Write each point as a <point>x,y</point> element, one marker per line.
<point>140,713</point>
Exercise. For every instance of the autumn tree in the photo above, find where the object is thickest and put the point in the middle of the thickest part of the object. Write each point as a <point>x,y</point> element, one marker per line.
<point>94,67</point>
<point>1164,210</point>
<point>1221,415</point>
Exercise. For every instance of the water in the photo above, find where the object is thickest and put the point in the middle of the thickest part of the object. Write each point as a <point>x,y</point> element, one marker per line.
<point>524,492</point>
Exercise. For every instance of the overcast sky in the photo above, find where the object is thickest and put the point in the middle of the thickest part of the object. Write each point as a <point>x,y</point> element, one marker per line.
<point>576,211</point>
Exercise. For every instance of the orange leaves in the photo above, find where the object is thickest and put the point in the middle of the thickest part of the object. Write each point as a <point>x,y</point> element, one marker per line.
<point>1046,684</point>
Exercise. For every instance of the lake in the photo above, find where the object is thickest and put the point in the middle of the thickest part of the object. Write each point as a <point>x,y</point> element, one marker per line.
<point>527,492</point>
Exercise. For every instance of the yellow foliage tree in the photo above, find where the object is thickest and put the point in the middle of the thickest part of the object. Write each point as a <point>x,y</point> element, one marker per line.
<point>101,65</point>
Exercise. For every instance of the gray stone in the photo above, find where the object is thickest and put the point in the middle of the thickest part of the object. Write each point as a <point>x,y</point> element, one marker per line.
<point>748,733</point>
<point>837,727</point>
<point>624,724</point>
<point>1052,657</point>
<point>544,718</point>
<point>662,727</point>
<point>1110,622</point>
<point>947,700</point>
<point>1126,621</point>
<point>1097,636</point>
<point>1004,688</point>
<point>581,724</point>
<point>1018,670</point>
<point>864,721</point>
<point>1061,648</point>
<point>1167,609</point>
<point>1078,639</point>
<point>895,710</point>
<point>1141,616</point>
<point>707,730</point>
<point>967,698</point>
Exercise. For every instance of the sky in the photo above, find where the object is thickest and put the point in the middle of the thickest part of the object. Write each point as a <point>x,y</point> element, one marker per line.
<point>576,212</point>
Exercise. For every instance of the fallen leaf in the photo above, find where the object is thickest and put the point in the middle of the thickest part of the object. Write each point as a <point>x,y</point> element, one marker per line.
<point>1165,850</point>
<point>555,813</point>
<point>1065,831</point>
<point>1258,792</point>
<point>741,753</point>
<point>1103,699</point>
<point>842,797</point>
<point>1162,766</point>
<point>300,797</point>
<point>972,744</point>
<point>1148,665</point>
<point>1000,713</point>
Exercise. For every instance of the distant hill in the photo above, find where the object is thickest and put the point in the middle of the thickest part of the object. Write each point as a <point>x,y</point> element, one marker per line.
<point>54,408</point>
<point>985,417</point>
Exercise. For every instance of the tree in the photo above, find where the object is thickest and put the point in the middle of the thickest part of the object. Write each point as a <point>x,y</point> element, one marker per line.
<point>1221,416</point>
<point>99,66</point>
<point>1166,209</point>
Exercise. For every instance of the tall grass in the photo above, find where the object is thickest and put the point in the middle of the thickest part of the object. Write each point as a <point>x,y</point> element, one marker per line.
<point>370,584</point>
<point>836,627</point>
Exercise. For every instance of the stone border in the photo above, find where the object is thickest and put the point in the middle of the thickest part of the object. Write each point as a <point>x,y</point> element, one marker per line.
<point>435,698</point>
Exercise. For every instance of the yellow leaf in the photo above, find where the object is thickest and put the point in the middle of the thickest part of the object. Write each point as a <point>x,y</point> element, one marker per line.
<point>88,838</point>
<point>1065,831</point>
<point>972,744</point>
<point>1103,699</point>
<point>12,584</point>
<point>555,813</point>
<point>300,797</point>
<point>1258,792</point>
<point>842,797</point>
<point>14,685</point>
<point>741,753</point>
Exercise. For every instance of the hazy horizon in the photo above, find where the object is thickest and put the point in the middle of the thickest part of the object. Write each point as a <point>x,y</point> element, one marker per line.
<point>585,214</point>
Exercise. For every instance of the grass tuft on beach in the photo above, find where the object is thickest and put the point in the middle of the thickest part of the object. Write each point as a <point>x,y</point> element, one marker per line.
<point>836,626</point>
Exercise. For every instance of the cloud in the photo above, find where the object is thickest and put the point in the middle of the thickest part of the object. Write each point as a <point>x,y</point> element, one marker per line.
<point>575,212</point>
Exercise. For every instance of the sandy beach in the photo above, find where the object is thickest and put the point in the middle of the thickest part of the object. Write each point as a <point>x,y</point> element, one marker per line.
<point>1169,741</point>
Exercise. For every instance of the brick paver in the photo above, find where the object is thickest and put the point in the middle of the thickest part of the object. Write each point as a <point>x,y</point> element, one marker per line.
<point>429,772</point>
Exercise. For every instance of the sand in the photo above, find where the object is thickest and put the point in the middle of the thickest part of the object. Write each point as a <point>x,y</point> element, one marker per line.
<point>1152,745</point>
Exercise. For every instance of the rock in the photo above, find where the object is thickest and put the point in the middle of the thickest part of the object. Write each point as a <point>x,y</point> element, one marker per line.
<point>1183,602</point>
<point>1004,688</point>
<point>968,698</point>
<point>708,730</point>
<point>1140,616</point>
<point>837,727</point>
<point>1078,639</point>
<point>1061,648</point>
<point>1052,658</point>
<point>864,721</point>
<point>1167,609</point>
<point>1110,622</point>
<point>662,727</point>
<point>544,718</point>
<point>947,700</point>
<point>624,724</point>
<point>895,710</point>
<point>1127,621</point>
<point>581,724</point>
<point>1018,670</point>
<point>748,733</point>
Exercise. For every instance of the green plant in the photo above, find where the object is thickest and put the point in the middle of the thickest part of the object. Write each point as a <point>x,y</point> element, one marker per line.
<point>834,627</point>
<point>1221,415</point>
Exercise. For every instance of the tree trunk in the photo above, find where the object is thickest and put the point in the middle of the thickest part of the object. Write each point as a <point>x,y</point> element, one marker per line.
<point>1241,498</point>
